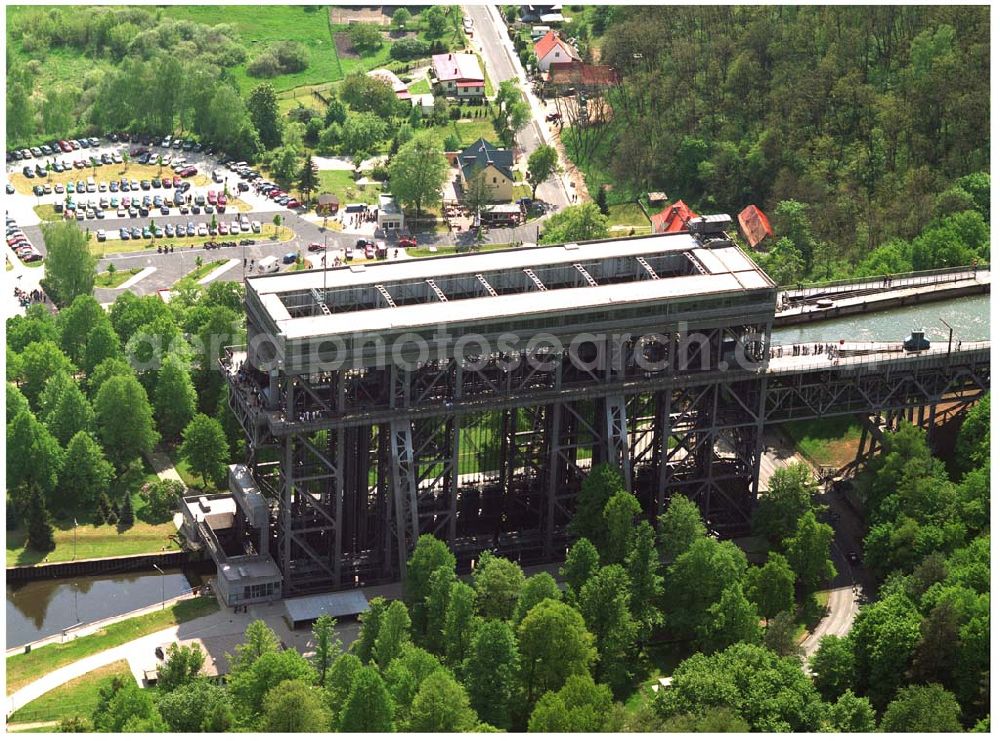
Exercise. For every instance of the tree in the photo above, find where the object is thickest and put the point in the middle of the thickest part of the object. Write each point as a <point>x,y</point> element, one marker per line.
<point>403,678</point>
<point>205,448</point>
<point>852,714</point>
<point>922,709</point>
<point>578,223</point>
<point>604,604</point>
<point>601,199</point>
<point>436,607</point>
<point>174,399</point>
<point>182,665</point>
<point>701,574</point>
<point>441,706</point>
<point>498,583</point>
<point>543,163</point>
<point>250,686</point>
<point>789,496</point>
<point>418,171</point>
<point>436,20</point>
<point>772,694</point>
<point>69,266</point>
<point>368,708</point>
<point>360,134</point>
<point>883,638</point>
<point>70,414</point>
<point>476,193</point>
<point>367,94</point>
<point>339,679</point>
<point>535,589</point>
<point>162,498</point>
<point>620,514</point>
<point>733,619</point>
<point>772,586</point>
<point>308,178</point>
<point>277,224</point>
<point>75,321</point>
<point>582,562</point>
<point>34,458</point>
<point>102,344</point>
<point>366,38</point>
<point>555,644</point>
<point>460,623</point>
<point>580,706</point>
<point>40,533</point>
<point>262,105</point>
<point>125,707</point>
<point>125,436</point>
<point>293,706</point>
<point>197,706</point>
<point>972,449</point>
<point>41,361</point>
<point>680,526</point>
<point>429,554</point>
<point>491,672</point>
<point>326,646</point>
<point>642,565</point>
<point>259,640</point>
<point>602,483</point>
<point>782,633</point>
<point>400,17</point>
<point>371,623</point>
<point>393,632</point>
<point>709,720</point>
<point>791,220</point>
<point>809,552</point>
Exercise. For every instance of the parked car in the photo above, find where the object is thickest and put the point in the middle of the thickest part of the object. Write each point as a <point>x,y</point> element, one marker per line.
<point>289,258</point>
<point>101,235</point>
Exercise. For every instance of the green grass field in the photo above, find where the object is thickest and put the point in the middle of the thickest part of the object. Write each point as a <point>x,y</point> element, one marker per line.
<point>341,184</point>
<point>25,668</point>
<point>93,542</point>
<point>198,273</point>
<point>262,25</point>
<point>115,279</point>
<point>826,442</point>
<point>77,697</point>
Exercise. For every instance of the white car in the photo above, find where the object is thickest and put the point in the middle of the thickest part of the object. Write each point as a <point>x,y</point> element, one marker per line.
<point>101,235</point>
<point>245,225</point>
<point>255,227</point>
<point>122,213</point>
<point>234,228</point>
<point>202,230</point>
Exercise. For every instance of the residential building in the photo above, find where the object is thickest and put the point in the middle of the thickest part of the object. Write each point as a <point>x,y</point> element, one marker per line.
<point>397,85</point>
<point>551,48</point>
<point>754,225</point>
<point>495,166</point>
<point>672,219</point>
<point>458,75</point>
<point>542,13</point>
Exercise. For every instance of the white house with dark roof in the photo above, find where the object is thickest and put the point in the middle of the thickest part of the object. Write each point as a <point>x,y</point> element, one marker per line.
<point>458,75</point>
<point>495,166</point>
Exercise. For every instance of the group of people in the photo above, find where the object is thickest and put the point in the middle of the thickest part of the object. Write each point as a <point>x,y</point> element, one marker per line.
<point>164,250</point>
<point>367,216</point>
<point>34,296</point>
<point>816,348</point>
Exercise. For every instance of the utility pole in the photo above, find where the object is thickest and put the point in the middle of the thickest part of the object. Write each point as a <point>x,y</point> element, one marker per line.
<point>163,587</point>
<point>951,332</point>
<point>75,526</point>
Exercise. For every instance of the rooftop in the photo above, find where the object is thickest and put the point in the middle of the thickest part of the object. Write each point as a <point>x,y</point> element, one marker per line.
<point>550,41</point>
<point>400,295</point>
<point>335,604</point>
<point>481,154</point>
<point>456,66</point>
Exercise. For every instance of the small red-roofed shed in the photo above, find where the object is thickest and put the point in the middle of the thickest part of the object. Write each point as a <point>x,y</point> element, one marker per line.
<point>673,218</point>
<point>754,225</point>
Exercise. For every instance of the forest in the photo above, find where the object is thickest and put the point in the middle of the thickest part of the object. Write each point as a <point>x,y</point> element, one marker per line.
<point>863,131</point>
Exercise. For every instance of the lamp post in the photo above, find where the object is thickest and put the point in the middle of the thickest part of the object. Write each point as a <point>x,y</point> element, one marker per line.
<point>75,525</point>
<point>951,332</point>
<point>163,587</point>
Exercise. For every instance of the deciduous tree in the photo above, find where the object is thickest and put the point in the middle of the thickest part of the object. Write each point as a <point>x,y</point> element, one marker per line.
<point>419,171</point>
<point>174,399</point>
<point>580,706</point>
<point>808,552</point>
<point>555,644</point>
<point>543,163</point>
<point>441,706</point>
<point>69,266</point>
<point>922,709</point>
<point>429,554</point>
<point>205,448</point>
<point>680,526</point>
<point>125,435</point>
<point>368,708</point>
<point>294,706</point>
<point>491,672</point>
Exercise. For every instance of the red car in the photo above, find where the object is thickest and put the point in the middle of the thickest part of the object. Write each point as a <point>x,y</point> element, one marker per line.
<point>211,197</point>
<point>292,204</point>
<point>188,172</point>
<point>64,146</point>
<point>407,242</point>
<point>221,199</point>
<point>177,180</point>
<point>315,247</point>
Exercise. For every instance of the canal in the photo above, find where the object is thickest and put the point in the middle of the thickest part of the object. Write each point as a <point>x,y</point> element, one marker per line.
<point>43,608</point>
<point>970,316</point>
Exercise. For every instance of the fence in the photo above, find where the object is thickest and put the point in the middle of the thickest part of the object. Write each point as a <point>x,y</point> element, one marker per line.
<point>898,280</point>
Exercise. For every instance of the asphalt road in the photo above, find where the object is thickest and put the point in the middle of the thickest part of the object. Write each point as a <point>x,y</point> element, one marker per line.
<point>490,33</point>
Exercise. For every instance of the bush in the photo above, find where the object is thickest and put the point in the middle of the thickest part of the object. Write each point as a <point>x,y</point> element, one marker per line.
<point>366,38</point>
<point>282,58</point>
<point>406,49</point>
<point>455,112</point>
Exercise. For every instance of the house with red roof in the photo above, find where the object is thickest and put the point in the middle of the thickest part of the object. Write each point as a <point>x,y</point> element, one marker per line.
<point>673,218</point>
<point>458,75</point>
<point>754,225</point>
<point>551,48</point>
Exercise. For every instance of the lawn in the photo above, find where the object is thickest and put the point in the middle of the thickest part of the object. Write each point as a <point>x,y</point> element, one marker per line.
<point>467,131</point>
<point>420,87</point>
<point>93,541</point>
<point>78,697</point>
<point>25,668</point>
<point>47,212</point>
<point>198,273</point>
<point>826,442</point>
<point>107,173</point>
<point>115,279</point>
<point>116,246</point>
<point>260,26</point>
<point>191,480</point>
<point>341,184</point>
<point>627,214</point>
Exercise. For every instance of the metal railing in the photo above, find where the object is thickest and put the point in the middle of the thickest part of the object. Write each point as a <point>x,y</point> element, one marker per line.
<point>898,280</point>
<point>876,358</point>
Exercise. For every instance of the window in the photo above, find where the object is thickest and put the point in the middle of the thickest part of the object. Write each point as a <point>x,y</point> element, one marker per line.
<point>494,180</point>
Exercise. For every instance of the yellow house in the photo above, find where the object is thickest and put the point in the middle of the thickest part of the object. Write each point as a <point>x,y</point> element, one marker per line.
<point>495,166</point>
